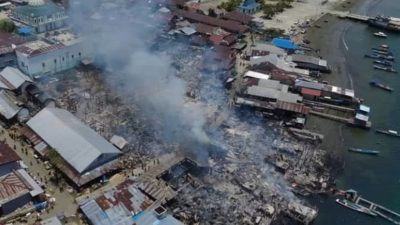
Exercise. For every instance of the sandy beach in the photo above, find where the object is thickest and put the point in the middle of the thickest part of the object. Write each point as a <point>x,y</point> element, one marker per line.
<point>307,10</point>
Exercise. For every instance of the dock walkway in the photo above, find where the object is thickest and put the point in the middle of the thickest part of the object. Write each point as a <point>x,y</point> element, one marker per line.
<point>380,210</point>
<point>348,15</point>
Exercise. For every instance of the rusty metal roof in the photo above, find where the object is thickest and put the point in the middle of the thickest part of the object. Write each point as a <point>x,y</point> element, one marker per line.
<point>7,155</point>
<point>117,206</point>
<point>293,107</point>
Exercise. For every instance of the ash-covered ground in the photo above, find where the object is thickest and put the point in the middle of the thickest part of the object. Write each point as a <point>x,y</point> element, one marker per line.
<point>153,90</point>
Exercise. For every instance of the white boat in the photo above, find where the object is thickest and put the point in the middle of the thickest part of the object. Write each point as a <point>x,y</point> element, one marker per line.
<point>380,34</point>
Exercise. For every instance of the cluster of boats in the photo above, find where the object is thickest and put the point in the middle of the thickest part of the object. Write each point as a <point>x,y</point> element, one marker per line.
<point>375,152</point>
<point>383,58</point>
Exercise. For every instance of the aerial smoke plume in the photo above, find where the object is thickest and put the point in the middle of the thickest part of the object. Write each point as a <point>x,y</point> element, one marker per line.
<point>121,35</point>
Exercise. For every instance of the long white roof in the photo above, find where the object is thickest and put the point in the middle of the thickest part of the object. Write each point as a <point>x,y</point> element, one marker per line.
<point>77,143</point>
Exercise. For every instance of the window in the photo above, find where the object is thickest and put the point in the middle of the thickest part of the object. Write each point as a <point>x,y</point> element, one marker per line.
<point>79,54</point>
<point>55,61</point>
<point>72,56</point>
<point>43,65</point>
<point>62,58</point>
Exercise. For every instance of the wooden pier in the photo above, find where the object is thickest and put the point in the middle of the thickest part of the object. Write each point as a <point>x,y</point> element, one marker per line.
<point>383,212</point>
<point>351,16</point>
<point>356,17</point>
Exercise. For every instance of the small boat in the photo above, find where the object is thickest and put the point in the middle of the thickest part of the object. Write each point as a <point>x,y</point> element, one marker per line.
<point>388,132</point>
<point>385,46</point>
<point>387,69</point>
<point>381,52</point>
<point>380,34</point>
<point>383,62</point>
<point>377,56</point>
<point>364,151</point>
<point>375,83</point>
<point>353,206</point>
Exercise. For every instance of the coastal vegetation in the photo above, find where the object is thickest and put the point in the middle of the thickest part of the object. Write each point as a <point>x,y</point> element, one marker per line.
<point>7,26</point>
<point>270,9</point>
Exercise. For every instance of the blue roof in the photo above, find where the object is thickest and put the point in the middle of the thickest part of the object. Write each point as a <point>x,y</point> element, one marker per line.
<point>249,4</point>
<point>284,43</point>
<point>24,30</point>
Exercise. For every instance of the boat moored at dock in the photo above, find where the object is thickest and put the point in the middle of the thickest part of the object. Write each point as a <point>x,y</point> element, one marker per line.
<point>383,62</point>
<point>387,69</point>
<point>384,22</point>
<point>377,56</point>
<point>364,151</point>
<point>393,133</point>
<point>356,207</point>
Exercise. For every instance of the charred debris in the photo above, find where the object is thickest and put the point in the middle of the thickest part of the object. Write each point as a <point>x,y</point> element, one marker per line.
<point>256,162</point>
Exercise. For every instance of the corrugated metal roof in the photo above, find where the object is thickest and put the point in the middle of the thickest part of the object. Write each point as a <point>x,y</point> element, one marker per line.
<point>11,186</point>
<point>362,117</point>
<point>7,107</point>
<point>284,43</point>
<point>307,91</point>
<point>51,221</point>
<point>263,92</point>
<point>365,108</point>
<point>12,78</point>
<point>7,155</point>
<point>117,206</point>
<point>150,218</point>
<point>77,143</point>
<point>293,107</point>
<point>257,75</point>
<point>309,59</point>
<point>308,84</point>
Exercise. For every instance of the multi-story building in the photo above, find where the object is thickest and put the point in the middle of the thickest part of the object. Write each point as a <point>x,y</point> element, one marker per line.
<point>51,55</point>
<point>42,16</point>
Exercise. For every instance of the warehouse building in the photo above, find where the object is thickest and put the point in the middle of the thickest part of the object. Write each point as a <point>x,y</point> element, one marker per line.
<point>85,155</point>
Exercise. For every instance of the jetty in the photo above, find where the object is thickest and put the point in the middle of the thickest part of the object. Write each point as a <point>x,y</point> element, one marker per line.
<point>381,211</point>
<point>351,16</point>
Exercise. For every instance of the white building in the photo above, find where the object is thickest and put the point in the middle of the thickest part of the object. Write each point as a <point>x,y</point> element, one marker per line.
<point>48,56</point>
<point>40,15</point>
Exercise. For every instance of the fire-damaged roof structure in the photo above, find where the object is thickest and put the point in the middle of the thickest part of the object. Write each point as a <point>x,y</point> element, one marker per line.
<point>117,206</point>
<point>77,144</point>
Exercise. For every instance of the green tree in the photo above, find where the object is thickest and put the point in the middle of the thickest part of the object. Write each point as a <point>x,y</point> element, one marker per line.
<point>7,26</point>
<point>211,12</point>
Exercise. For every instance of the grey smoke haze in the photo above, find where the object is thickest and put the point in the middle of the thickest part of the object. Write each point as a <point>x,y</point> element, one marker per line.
<point>121,40</point>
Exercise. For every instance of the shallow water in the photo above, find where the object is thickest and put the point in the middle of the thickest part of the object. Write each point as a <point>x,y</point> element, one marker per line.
<point>375,178</point>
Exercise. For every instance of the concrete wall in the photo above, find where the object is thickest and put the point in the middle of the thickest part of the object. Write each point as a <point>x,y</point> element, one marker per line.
<point>52,62</point>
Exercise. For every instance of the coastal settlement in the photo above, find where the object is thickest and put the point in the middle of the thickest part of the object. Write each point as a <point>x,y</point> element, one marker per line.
<point>73,152</point>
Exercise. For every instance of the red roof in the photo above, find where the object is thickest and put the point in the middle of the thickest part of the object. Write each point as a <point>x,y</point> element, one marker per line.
<point>228,25</point>
<point>293,107</point>
<point>216,39</point>
<point>312,92</point>
<point>7,155</point>
<point>204,28</point>
<point>239,17</point>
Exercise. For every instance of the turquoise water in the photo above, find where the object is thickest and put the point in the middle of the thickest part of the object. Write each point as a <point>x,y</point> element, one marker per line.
<point>375,178</point>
